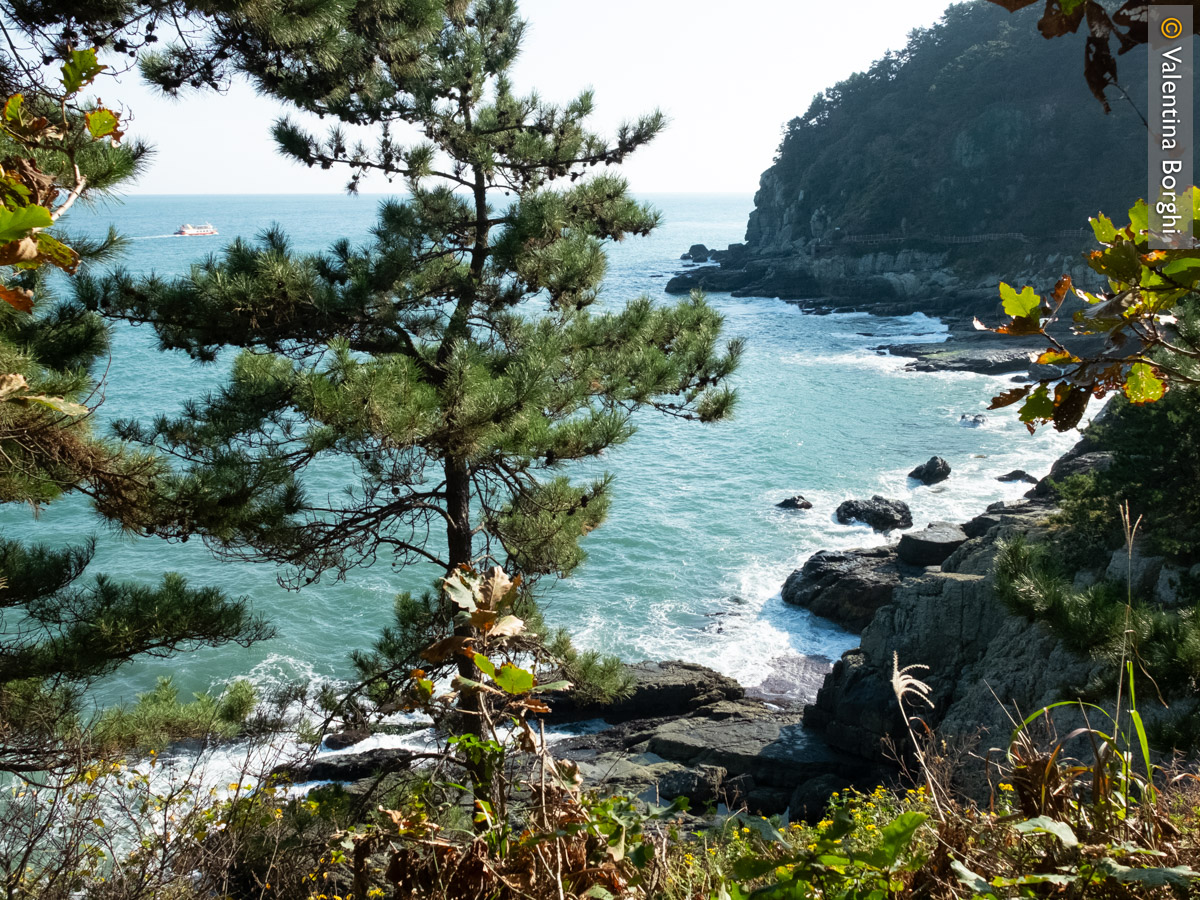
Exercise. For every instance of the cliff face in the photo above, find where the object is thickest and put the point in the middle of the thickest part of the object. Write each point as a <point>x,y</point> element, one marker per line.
<point>956,163</point>
<point>987,667</point>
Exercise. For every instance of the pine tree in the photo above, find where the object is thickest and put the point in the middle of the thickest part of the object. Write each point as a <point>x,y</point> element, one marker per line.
<point>451,370</point>
<point>58,633</point>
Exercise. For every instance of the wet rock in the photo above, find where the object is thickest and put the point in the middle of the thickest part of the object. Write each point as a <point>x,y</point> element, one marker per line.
<point>348,767</point>
<point>660,689</point>
<point>347,738</point>
<point>792,680</point>
<point>878,512</point>
<point>797,502</point>
<point>932,472</point>
<point>1017,475</point>
<point>975,421</point>
<point>698,253</point>
<point>846,587</point>
<point>932,545</point>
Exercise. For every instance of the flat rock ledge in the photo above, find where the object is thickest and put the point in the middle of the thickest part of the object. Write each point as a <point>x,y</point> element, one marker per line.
<point>671,688</point>
<point>739,753</point>
<point>695,734</point>
<point>932,545</point>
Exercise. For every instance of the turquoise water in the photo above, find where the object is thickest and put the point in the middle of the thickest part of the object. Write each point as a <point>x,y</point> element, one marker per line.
<point>690,563</point>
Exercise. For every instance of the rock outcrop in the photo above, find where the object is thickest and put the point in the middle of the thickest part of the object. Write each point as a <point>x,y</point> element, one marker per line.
<point>951,621</point>
<point>846,587</point>
<point>797,502</point>
<point>734,752</point>
<point>935,471</point>
<point>670,688</point>
<point>932,545</point>
<point>986,665</point>
<point>1017,475</point>
<point>879,512</point>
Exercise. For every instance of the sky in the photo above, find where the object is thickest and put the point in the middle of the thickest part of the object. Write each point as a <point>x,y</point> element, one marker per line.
<point>728,77</point>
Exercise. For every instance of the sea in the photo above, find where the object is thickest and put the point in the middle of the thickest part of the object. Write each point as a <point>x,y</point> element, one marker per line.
<point>690,562</point>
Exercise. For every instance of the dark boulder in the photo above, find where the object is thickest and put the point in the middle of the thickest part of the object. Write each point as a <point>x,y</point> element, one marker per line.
<point>1073,463</point>
<point>348,767</point>
<point>932,545</point>
<point>878,512</point>
<point>969,421</point>
<point>797,502</point>
<point>669,688</point>
<point>1017,475</point>
<point>811,799</point>
<point>701,785</point>
<point>846,587</point>
<point>856,709</point>
<point>347,738</point>
<point>932,472</point>
<point>698,253</point>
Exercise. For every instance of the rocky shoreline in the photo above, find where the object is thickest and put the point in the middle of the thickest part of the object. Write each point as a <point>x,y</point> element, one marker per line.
<point>690,731</point>
<point>966,348</point>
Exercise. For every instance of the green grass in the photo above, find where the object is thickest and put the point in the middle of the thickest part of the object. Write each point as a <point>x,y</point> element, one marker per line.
<point>159,718</point>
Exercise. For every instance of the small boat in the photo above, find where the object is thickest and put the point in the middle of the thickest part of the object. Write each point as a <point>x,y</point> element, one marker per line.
<point>196,230</point>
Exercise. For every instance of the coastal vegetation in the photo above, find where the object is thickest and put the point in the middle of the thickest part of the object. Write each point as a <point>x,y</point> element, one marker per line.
<point>60,631</point>
<point>449,373</point>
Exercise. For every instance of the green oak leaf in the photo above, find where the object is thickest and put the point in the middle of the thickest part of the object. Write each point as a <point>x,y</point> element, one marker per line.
<point>895,838</point>
<point>1139,218</point>
<point>58,404</point>
<point>513,679</point>
<point>103,123</point>
<point>54,251</point>
<point>1046,825</point>
<point>972,880</point>
<point>459,592</point>
<point>12,108</point>
<point>17,223</point>
<point>1021,305</point>
<point>1038,408</point>
<point>1180,876</point>
<point>1103,227</point>
<point>1185,270</point>
<point>81,68</point>
<point>1142,385</point>
<point>485,665</point>
<point>1120,262</point>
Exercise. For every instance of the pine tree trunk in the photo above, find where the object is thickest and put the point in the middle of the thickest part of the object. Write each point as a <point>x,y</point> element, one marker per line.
<point>486,778</point>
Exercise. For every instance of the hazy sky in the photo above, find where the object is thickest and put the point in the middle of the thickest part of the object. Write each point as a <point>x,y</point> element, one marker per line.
<point>728,77</point>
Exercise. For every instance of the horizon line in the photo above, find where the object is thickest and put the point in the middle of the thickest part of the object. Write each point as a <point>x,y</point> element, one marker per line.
<point>392,193</point>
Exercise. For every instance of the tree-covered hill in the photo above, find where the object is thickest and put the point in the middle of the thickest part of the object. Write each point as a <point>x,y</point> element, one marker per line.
<point>976,126</point>
<point>980,131</point>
